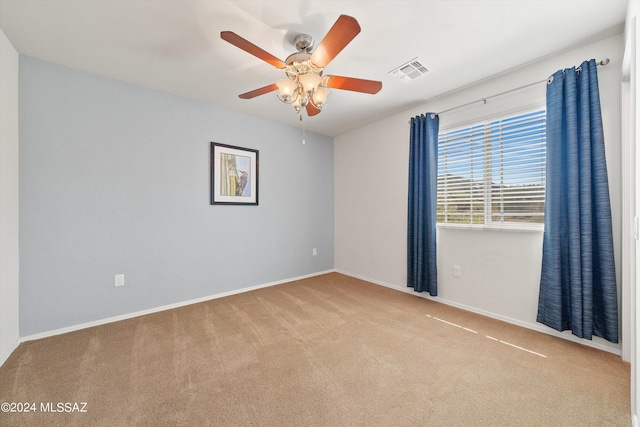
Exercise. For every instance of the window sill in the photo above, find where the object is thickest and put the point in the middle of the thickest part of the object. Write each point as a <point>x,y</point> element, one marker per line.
<point>526,228</point>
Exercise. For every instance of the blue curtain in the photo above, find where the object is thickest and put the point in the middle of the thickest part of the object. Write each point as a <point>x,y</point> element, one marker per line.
<point>578,281</point>
<point>423,183</point>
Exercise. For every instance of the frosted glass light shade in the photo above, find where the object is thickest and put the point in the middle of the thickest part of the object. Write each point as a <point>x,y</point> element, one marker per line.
<point>297,104</point>
<point>309,82</point>
<point>287,89</point>
<point>320,97</point>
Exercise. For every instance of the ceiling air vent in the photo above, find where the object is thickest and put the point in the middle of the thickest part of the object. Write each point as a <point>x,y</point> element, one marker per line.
<point>409,71</point>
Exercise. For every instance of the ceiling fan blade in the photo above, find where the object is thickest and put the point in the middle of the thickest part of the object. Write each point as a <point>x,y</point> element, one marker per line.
<point>342,32</point>
<point>258,92</point>
<point>311,110</point>
<point>251,48</point>
<point>355,85</point>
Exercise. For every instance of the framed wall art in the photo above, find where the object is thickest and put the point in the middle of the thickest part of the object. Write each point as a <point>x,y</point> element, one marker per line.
<point>234,175</point>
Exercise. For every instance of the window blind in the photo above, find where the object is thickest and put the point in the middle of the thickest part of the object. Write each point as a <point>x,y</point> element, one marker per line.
<point>493,172</point>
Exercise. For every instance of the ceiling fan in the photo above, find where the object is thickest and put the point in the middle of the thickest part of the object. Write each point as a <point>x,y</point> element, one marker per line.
<point>305,86</point>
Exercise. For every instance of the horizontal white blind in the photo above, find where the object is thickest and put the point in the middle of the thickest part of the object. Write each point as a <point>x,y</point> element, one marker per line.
<point>493,172</point>
<point>461,176</point>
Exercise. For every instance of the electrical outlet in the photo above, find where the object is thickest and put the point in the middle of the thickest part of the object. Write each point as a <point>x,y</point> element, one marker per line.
<point>119,280</point>
<point>457,271</point>
<point>314,252</point>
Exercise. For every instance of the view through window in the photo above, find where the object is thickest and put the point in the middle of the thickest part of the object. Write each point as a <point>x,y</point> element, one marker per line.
<point>493,173</point>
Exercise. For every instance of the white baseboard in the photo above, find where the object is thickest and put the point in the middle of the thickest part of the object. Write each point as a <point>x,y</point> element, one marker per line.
<point>9,351</point>
<point>158,309</point>
<point>534,326</point>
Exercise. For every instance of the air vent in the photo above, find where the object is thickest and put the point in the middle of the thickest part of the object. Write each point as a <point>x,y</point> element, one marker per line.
<point>409,71</point>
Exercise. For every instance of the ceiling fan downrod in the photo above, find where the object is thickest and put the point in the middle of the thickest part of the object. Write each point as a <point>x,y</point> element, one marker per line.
<point>303,42</point>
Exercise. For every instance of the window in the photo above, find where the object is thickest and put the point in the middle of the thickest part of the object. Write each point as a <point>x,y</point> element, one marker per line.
<point>493,173</point>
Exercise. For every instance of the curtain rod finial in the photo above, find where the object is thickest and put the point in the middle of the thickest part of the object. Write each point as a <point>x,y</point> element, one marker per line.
<point>605,61</point>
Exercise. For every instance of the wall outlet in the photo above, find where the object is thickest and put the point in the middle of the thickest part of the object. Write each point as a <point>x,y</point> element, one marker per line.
<point>314,252</point>
<point>457,271</point>
<point>119,279</point>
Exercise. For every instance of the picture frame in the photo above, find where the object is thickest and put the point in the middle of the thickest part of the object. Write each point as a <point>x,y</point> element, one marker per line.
<point>234,175</point>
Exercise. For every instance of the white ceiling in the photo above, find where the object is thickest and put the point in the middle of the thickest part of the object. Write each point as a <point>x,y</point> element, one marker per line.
<point>174,46</point>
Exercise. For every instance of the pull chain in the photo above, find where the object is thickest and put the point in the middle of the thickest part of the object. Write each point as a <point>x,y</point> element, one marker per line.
<point>303,141</point>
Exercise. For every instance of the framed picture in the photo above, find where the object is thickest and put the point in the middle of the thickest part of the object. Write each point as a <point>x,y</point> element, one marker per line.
<point>234,175</point>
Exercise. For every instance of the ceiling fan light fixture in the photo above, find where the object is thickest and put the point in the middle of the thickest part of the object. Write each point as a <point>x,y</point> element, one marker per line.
<point>319,99</point>
<point>309,82</point>
<point>288,90</point>
<point>299,103</point>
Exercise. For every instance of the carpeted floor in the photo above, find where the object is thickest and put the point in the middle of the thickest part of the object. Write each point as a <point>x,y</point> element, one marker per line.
<point>326,351</point>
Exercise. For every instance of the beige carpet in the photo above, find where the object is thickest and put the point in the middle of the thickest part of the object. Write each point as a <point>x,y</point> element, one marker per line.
<point>326,351</point>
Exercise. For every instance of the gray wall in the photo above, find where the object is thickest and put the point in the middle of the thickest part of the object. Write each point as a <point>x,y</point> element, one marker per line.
<point>114,179</point>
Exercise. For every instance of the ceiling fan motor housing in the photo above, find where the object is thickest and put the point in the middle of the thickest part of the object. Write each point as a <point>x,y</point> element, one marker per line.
<point>303,42</point>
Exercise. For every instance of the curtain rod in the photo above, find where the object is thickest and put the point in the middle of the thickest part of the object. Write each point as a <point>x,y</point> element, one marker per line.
<point>600,63</point>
